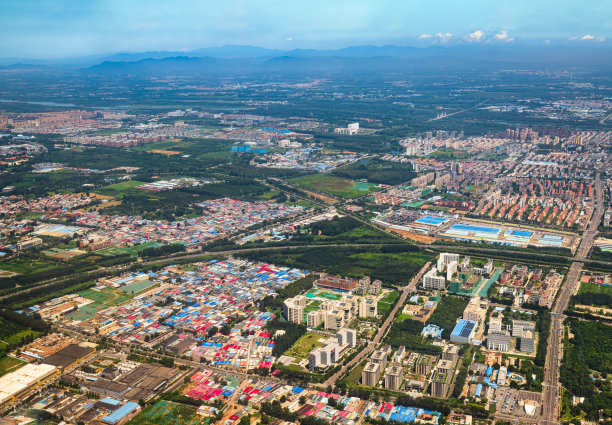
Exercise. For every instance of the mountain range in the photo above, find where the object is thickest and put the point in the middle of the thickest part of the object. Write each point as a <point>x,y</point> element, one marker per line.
<point>249,59</point>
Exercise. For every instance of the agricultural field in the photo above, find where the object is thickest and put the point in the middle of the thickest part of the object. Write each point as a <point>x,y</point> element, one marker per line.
<point>304,346</point>
<point>334,185</point>
<point>169,413</point>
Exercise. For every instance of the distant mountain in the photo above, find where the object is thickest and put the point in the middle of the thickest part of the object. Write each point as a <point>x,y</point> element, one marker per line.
<point>234,59</point>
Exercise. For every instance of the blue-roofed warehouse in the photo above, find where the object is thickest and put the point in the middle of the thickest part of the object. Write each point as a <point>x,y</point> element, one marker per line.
<point>463,332</point>
<point>120,413</point>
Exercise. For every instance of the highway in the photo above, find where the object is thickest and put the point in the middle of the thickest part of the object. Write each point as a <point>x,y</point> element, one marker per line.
<point>551,388</point>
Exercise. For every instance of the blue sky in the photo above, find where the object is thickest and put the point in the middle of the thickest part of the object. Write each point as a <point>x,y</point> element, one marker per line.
<point>65,28</point>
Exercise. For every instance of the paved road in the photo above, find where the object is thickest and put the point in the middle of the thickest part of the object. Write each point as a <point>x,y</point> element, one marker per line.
<point>604,119</point>
<point>411,287</point>
<point>551,388</point>
<point>458,112</point>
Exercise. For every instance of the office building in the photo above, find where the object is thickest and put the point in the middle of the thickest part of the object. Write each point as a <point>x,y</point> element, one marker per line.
<point>293,309</point>
<point>522,328</point>
<point>347,337</point>
<point>314,318</point>
<point>334,320</point>
<point>498,340</point>
<point>368,308</point>
<point>495,324</point>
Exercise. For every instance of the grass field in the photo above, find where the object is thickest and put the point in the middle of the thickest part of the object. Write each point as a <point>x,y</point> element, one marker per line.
<point>304,346</point>
<point>354,376</point>
<point>593,287</point>
<point>133,250</point>
<point>27,265</point>
<point>333,185</point>
<point>401,317</point>
<point>120,189</point>
<point>168,413</point>
<point>386,303</point>
<point>9,364</point>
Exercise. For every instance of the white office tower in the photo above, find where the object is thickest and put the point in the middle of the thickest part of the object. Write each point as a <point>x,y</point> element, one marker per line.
<point>314,359</point>
<point>347,336</point>
<point>368,307</point>
<point>293,309</point>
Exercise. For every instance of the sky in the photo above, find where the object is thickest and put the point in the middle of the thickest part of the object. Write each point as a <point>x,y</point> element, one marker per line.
<point>71,28</point>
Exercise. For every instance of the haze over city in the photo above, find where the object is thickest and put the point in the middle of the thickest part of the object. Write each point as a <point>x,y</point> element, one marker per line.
<point>305,213</point>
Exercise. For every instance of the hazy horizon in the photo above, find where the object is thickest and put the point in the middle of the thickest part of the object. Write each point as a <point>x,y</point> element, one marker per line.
<point>67,28</point>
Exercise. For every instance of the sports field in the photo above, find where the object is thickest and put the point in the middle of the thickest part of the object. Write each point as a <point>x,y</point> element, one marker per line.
<point>101,300</point>
<point>169,413</point>
<point>136,287</point>
<point>333,185</point>
<point>330,295</point>
<point>63,254</point>
<point>304,346</point>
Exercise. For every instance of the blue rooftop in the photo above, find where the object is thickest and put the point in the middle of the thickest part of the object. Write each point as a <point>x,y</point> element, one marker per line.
<point>120,413</point>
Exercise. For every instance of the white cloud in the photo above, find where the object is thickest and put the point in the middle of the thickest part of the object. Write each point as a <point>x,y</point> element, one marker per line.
<point>503,36</point>
<point>587,37</point>
<point>444,36</point>
<point>476,36</point>
<point>425,36</point>
<point>289,39</point>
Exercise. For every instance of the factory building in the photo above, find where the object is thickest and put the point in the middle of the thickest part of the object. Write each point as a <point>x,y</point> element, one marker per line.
<point>463,332</point>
